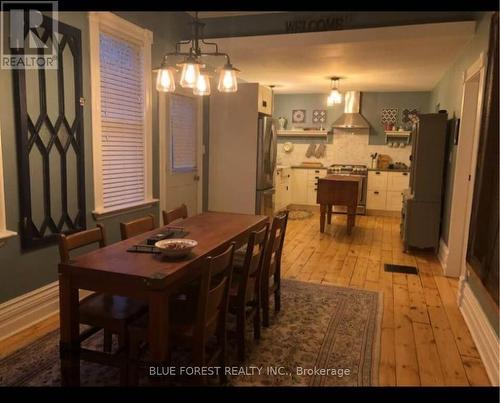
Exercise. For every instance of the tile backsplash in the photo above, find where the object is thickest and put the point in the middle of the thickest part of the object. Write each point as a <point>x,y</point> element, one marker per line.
<point>346,148</point>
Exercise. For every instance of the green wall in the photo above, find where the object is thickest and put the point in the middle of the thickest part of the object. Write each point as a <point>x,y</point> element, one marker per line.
<point>448,95</point>
<point>23,272</point>
<point>372,104</point>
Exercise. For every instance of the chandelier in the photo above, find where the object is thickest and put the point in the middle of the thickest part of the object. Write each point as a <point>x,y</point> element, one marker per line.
<point>335,96</point>
<point>194,73</point>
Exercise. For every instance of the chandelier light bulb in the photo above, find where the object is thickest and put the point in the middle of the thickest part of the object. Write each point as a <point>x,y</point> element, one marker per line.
<point>227,79</point>
<point>202,85</point>
<point>189,74</point>
<point>165,80</point>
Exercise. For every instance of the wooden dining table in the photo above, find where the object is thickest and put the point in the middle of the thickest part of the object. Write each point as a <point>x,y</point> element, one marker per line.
<point>143,276</point>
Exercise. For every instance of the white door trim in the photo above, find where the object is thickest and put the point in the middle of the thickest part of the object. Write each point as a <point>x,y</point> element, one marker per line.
<point>463,188</point>
<point>163,117</point>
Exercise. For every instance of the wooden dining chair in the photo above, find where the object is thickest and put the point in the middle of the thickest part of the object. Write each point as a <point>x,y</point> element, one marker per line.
<point>244,301</point>
<point>111,313</point>
<point>271,270</point>
<point>175,214</point>
<point>203,329</point>
<point>136,227</point>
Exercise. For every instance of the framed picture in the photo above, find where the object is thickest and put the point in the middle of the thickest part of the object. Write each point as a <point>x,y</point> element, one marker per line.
<point>319,116</point>
<point>298,116</point>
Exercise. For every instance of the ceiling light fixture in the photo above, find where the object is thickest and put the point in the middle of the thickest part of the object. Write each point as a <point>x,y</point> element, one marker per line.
<point>191,65</point>
<point>335,96</point>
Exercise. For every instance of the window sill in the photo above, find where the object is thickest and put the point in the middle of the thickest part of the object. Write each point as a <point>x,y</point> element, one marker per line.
<point>103,214</point>
<point>5,234</point>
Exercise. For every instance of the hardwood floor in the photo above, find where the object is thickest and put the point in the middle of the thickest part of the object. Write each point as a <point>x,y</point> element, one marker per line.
<point>424,339</point>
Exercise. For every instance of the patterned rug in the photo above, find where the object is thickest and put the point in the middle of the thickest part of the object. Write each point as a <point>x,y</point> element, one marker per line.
<point>299,214</point>
<point>323,336</point>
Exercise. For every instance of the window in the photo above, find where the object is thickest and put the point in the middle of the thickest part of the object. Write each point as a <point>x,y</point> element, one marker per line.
<point>4,234</point>
<point>121,113</point>
<point>183,131</point>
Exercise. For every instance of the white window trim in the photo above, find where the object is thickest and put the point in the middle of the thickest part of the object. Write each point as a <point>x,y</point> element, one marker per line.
<point>142,37</point>
<point>4,233</point>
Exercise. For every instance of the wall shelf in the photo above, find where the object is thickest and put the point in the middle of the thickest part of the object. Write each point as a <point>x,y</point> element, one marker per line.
<point>302,133</point>
<point>398,135</point>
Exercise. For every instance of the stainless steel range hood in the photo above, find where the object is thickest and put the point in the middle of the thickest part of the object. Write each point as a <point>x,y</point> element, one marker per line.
<point>351,119</point>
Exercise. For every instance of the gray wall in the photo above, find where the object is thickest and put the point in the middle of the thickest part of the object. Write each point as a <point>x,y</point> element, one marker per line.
<point>23,272</point>
<point>448,95</point>
<point>372,104</point>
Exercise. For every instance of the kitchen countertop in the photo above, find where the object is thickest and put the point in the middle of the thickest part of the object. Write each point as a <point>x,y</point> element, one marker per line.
<point>390,170</point>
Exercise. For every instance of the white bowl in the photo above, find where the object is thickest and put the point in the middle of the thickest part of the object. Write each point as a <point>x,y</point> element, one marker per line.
<point>167,248</point>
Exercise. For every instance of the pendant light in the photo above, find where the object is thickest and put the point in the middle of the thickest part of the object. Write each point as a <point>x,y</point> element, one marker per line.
<point>190,72</point>
<point>202,86</point>
<point>335,96</point>
<point>191,64</point>
<point>227,79</point>
<point>165,79</point>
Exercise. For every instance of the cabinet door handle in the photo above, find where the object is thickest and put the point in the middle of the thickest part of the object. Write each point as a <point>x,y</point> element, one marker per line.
<point>405,173</point>
<point>317,172</point>
<point>375,192</point>
<point>316,177</point>
<point>377,173</point>
<point>315,189</point>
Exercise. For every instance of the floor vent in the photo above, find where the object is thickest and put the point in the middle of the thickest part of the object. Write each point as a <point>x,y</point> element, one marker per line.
<point>397,268</point>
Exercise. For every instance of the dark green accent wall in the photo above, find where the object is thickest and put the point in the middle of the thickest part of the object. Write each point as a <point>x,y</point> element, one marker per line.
<point>23,272</point>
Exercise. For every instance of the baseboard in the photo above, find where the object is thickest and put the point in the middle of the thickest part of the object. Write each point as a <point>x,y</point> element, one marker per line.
<point>443,254</point>
<point>383,213</point>
<point>482,332</point>
<point>28,309</point>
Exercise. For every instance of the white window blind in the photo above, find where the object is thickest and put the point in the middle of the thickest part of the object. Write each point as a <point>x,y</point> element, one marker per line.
<point>183,133</point>
<point>122,122</point>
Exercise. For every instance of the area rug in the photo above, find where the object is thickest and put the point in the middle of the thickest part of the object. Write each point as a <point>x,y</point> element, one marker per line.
<point>299,214</point>
<point>323,336</point>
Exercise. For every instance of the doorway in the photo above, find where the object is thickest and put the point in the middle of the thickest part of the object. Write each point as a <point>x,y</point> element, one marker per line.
<point>463,183</point>
<point>180,130</point>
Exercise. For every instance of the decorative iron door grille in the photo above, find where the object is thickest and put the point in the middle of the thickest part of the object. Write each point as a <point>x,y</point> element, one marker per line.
<point>49,113</point>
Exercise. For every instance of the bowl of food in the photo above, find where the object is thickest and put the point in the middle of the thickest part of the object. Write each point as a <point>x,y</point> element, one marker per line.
<point>176,247</point>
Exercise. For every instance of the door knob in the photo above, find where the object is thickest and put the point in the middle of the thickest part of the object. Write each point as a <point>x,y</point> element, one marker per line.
<point>196,178</point>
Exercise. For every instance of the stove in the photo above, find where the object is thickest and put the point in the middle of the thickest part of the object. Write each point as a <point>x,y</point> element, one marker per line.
<point>358,170</point>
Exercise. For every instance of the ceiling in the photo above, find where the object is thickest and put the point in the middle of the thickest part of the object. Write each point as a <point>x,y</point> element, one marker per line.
<point>403,58</point>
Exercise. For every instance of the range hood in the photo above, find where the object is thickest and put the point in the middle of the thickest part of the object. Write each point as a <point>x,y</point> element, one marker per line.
<point>351,119</point>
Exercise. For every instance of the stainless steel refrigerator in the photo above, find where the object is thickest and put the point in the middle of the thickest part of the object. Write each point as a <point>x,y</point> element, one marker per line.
<point>266,165</point>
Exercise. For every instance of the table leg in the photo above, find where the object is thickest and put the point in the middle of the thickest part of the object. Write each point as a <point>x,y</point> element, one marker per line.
<point>69,346</point>
<point>158,328</point>
<point>351,218</point>
<point>329,216</point>
<point>322,214</point>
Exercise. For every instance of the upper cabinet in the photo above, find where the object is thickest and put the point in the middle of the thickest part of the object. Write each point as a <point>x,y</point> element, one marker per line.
<point>265,99</point>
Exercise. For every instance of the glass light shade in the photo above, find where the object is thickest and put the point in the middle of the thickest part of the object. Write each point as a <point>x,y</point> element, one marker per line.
<point>202,86</point>
<point>335,96</point>
<point>227,80</point>
<point>329,101</point>
<point>189,74</point>
<point>165,80</point>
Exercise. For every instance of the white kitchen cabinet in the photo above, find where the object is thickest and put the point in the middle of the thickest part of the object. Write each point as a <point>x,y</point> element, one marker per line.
<point>265,99</point>
<point>377,180</point>
<point>283,188</point>
<point>305,185</point>
<point>385,190</point>
<point>299,186</point>
<point>376,199</point>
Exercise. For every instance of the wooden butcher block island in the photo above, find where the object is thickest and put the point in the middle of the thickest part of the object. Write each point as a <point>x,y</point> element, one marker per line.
<point>338,190</point>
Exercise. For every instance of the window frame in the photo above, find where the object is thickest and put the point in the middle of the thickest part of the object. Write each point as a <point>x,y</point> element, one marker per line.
<point>112,24</point>
<point>4,233</point>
